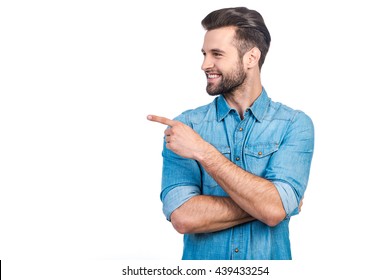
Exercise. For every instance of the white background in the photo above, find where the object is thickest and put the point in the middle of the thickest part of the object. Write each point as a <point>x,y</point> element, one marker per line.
<point>80,166</point>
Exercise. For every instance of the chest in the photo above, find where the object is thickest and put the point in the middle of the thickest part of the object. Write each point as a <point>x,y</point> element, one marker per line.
<point>250,144</point>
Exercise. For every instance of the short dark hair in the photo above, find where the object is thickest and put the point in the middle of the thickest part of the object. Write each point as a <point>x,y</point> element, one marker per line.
<point>251,30</point>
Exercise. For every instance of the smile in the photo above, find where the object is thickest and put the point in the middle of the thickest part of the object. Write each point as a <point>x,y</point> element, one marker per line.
<point>212,76</point>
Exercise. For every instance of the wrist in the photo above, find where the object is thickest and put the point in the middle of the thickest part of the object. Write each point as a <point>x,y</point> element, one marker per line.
<point>206,155</point>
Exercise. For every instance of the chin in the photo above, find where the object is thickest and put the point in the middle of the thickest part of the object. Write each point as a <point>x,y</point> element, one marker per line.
<point>213,93</point>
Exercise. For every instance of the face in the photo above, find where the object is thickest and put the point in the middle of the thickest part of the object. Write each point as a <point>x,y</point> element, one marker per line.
<point>223,67</point>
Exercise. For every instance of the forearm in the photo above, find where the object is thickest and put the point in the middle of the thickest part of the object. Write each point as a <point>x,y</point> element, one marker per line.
<point>202,214</point>
<point>255,195</point>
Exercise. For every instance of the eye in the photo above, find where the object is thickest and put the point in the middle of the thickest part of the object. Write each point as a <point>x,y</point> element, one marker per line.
<point>217,54</point>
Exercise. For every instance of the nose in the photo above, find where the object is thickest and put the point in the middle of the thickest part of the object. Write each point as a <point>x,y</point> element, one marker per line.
<point>207,63</point>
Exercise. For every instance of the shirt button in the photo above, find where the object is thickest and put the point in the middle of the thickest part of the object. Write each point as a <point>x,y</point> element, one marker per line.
<point>237,158</point>
<point>260,153</point>
<point>241,129</point>
<point>236,250</point>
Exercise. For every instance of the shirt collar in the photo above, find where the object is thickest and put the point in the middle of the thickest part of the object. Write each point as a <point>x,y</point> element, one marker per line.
<point>258,107</point>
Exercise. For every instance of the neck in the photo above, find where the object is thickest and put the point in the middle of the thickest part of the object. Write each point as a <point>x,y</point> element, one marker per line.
<point>243,97</point>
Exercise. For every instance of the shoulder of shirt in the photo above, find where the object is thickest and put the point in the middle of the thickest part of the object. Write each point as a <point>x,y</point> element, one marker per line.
<point>199,114</point>
<point>277,110</point>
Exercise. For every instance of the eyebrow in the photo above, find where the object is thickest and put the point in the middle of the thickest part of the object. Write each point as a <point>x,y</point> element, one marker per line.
<point>214,50</point>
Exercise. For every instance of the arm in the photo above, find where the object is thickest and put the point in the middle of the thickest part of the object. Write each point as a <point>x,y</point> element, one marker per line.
<point>184,203</point>
<point>255,195</point>
<point>202,214</point>
<point>280,192</point>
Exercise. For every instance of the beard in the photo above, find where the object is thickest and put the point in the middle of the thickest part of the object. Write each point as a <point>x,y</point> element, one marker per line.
<point>229,82</point>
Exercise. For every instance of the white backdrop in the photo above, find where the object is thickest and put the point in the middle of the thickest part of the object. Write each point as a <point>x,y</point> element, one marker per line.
<point>80,166</point>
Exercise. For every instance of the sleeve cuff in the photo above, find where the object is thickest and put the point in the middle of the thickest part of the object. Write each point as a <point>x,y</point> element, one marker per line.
<point>289,199</point>
<point>176,197</point>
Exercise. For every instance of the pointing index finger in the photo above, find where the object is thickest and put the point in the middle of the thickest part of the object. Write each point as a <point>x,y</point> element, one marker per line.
<point>161,120</point>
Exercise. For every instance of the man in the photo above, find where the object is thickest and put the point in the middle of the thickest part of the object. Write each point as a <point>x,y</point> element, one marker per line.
<point>235,170</point>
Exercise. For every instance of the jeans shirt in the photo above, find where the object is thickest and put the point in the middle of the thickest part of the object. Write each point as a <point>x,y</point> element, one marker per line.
<point>272,141</point>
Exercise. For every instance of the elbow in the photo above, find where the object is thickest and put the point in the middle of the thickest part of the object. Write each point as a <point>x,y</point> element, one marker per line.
<point>180,223</point>
<point>180,227</point>
<point>273,222</point>
<point>274,218</point>
<point>274,212</point>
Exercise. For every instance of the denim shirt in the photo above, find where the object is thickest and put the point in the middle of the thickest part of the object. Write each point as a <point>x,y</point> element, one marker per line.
<point>272,141</point>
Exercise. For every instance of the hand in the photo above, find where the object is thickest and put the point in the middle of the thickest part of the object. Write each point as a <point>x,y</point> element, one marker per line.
<point>180,138</point>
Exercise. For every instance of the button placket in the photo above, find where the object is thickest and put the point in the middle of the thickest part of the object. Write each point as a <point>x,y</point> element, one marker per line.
<point>239,137</point>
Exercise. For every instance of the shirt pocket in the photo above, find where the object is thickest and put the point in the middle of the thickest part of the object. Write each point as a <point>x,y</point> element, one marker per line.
<point>209,185</point>
<point>257,157</point>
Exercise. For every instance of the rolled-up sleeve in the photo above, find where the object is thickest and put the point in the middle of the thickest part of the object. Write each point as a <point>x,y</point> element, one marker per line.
<point>288,197</point>
<point>181,180</point>
<point>176,197</point>
<point>289,167</point>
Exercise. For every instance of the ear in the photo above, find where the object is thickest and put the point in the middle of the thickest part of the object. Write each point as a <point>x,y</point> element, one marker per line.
<point>252,58</point>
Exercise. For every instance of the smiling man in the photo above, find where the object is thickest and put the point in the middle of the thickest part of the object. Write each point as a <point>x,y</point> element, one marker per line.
<point>235,170</point>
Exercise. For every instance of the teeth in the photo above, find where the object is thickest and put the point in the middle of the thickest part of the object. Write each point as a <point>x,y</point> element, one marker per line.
<point>212,76</point>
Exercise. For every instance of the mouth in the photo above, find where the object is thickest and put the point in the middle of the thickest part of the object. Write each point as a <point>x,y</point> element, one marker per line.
<point>212,76</point>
